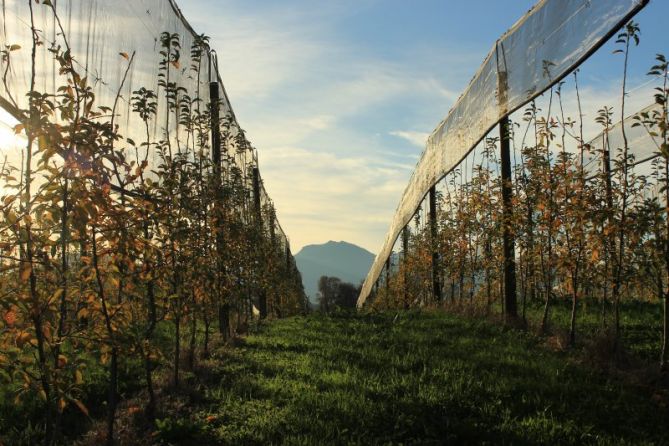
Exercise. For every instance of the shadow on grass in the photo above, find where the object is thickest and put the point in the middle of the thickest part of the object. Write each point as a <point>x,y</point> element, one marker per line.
<point>415,379</point>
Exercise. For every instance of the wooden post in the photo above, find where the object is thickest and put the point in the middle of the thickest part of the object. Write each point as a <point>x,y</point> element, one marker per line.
<point>388,273</point>
<point>215,130</point>
<point>223,306</point>
<point>262,298</point>
<point>405,253</point>
<point>272,228</point>
<point>436,281</point>
<point>510,306</point>
<point>288,255</point>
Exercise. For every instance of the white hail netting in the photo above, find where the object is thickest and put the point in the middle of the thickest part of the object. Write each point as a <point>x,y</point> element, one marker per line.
<point>98,32</point>
<point>552,39</point>
<point>642,144</point>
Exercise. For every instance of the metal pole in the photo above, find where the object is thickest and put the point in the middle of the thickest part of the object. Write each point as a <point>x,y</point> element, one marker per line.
<point>510,306</point>
<point>436,282</point>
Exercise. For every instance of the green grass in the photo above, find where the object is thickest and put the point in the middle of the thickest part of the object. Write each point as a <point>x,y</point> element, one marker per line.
<point>641,323</point>
<point>416,378</point>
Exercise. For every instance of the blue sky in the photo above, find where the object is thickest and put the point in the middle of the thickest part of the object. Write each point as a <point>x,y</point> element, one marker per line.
<point>338,97</point>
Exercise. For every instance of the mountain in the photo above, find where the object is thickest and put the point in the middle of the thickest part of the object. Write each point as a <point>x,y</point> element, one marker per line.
<point>339,259</point>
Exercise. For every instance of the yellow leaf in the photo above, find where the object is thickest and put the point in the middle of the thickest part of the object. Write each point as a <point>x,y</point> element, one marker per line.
<point>595,255</point>
<point>81,406</point>
<point>61,405</point>
<point>14,47</point>
<point>42,395</point>
<point>43,142</point>
<point>22,338</point>
<point>46,331</point>
<point>26,269</point>
<point>62,361</point>
<point>78,377</point>
<point>56,295</point>
<point>124,55</point>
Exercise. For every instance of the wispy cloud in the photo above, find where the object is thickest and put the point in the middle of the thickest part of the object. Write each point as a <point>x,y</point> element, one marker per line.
<point>416,138</point>
<point>328,196</point>
<point>338,123</point>
<point>316,107</point>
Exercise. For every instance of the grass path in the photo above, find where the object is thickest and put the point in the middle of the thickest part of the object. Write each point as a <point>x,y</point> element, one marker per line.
<point>412,379</point>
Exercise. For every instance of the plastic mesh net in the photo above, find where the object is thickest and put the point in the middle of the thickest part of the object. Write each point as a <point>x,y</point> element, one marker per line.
<point>119,46</point>
<point>538,51</point>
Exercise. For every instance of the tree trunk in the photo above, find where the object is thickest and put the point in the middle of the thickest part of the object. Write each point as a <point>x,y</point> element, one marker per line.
<point>151,404</point>
<point>193,333</point>
<point>665,335</point>
<point>572,320</point>
<point>205,347</point>
<point>177,349</point>
<point>113,385</point>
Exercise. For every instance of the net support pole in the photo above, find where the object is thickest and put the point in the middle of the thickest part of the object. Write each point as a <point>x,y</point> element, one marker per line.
<point>510,306</point>
<point>405,252</point>
<point>388,275</point>
<point>272,228</point>
<point>223,305</point>
<point>272,304</point>
<point>436,282</point>
<point>288,265</point>
<point>262,298</point>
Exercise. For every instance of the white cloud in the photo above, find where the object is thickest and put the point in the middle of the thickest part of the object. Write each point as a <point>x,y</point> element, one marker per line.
<point>321,122</point>
<point>324,193</point>
<point>416,138</point>
<point>316,107</point>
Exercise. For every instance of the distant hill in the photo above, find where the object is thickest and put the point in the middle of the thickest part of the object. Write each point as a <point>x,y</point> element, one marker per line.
<point>339,259</point>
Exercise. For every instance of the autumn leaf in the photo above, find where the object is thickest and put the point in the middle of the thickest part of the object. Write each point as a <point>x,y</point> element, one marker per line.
<point>10,318</point>
<point>124,55</point>
<point>81,406</point>
<point>26,270</point>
